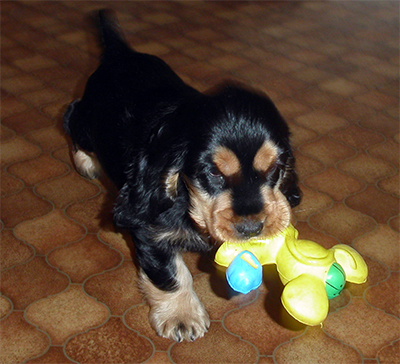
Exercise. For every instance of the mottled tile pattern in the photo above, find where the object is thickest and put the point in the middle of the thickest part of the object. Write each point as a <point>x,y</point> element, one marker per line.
<point>69,283</point>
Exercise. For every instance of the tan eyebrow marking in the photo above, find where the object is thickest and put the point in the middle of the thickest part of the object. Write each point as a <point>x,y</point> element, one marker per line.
<point>265,156</point>
<point>226,161</point>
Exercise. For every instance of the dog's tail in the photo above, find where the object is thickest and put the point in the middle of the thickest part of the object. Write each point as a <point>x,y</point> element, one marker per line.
<point>111,35</point>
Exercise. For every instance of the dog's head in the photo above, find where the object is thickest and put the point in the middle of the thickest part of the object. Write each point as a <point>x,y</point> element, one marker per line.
<point>240,168</point>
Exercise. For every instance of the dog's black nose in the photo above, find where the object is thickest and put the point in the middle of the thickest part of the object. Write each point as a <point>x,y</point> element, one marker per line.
<point>249,228</point>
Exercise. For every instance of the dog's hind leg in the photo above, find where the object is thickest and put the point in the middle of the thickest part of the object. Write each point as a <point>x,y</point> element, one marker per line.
<point>177,314</point>
<point>86,163</point>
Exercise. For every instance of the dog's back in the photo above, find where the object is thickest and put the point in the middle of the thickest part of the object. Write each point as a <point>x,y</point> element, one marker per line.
<point>126,98</point>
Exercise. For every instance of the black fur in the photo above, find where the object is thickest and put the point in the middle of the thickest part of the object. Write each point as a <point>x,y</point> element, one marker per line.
<point>144,123</point>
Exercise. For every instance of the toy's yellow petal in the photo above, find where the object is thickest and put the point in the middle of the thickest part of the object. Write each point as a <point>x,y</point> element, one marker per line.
<point>352,263</point>
<point>306,300</point>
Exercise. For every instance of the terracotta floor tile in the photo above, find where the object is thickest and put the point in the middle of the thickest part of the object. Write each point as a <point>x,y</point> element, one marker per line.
<point>390,354</point>
<point>18,149</point>
<point>28,121</point>
<point>371,244</point>
<point>159,358</point>
<point>381,328</point>
<point>376,100</point>
<point>48,139</point>
<point>5,307</point>
<point>317,99</point>
<point>43,96</point>
<point>321,122</point>
<point>27,283</point>
<point>118,239</point>
<point>31,342</point>
<point>38,169</point>
<point>118,288</point>
<point>386,69</point>
<point>388,151</point>
<point>66,314</point>
<point>252,323</point>
<point>301,135</point>
<point>113,342</point>
<point>350,110</point>
<point>6,134</point>
<point>312,202</point>
<point>335,184</point>
<point>367,77</point>
<point>290,108</point>
<point>13,251</point>
<point>204,350</point>
<point>356,137</point>
<point>375,203</point>
<point>342,87</point>
<point>327,151</point>
<point>93,213</point>
<point>54,355</point>
<point>24,205</point>
<point>21,84</point>
<point>314,346</point>
<point>391,89</point>
<point>17,53</point>
<point>201,71</point>
<point>391,185</point>
<point>137,318</point>
<point>9,71</point>
<point>385,295</point>
<point>361,59</point>
<point>67,189</point>
<point>85,258</point>
<point>10,184</point>
<point>366,168</point>
<point>311,74</point>
<point>377,272</point>
<point>229,63</point>
<point>63,154</point>
<point>308,233</point>
<point>49,231</point>
<point>343,223</point>
<point>307,166</point>
<point>284,65</point>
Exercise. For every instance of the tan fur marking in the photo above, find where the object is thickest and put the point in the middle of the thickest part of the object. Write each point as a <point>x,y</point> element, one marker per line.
<point>171,184</point>
<point>87,164</point>
<point>265,156</point>
<point>170,310</point>
<point>277,211</point>
<point>216,217</point>
<point>201,205</point>
<point>226,161</point>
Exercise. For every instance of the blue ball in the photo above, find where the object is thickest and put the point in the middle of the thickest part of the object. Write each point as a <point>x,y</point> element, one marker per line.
<point>244,273</point>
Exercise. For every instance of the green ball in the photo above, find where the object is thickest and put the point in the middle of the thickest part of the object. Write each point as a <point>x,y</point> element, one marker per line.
<point>335,280</point>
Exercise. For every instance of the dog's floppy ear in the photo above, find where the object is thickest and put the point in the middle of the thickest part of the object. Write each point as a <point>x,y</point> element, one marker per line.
<point>289,183</point>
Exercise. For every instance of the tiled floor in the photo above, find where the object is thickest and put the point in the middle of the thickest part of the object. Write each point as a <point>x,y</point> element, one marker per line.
<point>68,289</point>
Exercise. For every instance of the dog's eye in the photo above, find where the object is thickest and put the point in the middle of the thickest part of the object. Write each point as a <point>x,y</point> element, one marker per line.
<point>215,174</point>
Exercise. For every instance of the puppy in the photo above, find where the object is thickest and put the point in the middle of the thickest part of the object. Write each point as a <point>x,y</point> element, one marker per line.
<point>191,168</point>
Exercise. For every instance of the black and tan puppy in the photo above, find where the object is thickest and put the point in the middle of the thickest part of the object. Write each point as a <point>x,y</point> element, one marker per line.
<point>191,168</point>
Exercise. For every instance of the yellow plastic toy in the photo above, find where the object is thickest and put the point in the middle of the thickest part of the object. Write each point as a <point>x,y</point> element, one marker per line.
<point>311,274</point>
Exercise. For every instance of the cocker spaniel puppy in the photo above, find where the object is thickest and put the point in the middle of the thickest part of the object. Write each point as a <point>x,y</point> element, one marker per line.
<point>191,168</point>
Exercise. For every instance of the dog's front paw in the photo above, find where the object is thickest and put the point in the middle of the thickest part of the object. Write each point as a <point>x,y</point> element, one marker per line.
<point>178,322</point>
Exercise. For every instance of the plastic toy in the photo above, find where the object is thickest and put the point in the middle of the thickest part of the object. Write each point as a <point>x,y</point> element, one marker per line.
<point>311,274</point>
